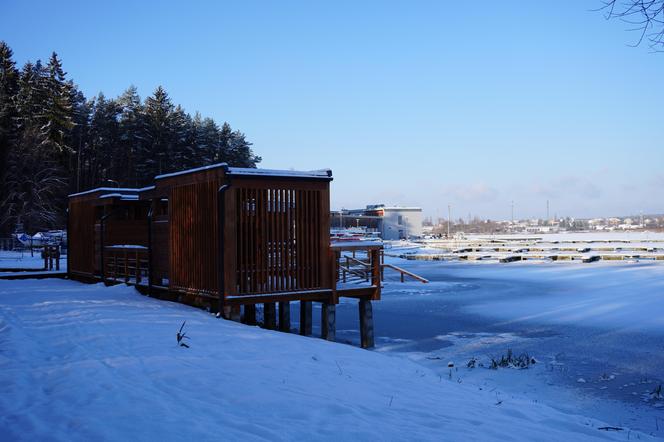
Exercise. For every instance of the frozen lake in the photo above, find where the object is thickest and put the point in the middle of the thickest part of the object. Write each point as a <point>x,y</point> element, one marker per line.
<point>596,331</point>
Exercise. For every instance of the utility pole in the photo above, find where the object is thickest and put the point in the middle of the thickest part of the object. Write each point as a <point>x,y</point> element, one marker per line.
<point>547,211</point>
<point>512,211</point>
<point>449,219</point>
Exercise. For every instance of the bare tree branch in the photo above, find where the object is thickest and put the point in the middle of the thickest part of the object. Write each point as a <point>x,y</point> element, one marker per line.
<point>646,17</point>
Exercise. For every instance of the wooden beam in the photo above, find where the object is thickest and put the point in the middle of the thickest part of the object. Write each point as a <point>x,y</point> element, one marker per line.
<point>304,295</point>
<point>270,315</point>
<point>328,321</point>
<point>305,318</point>
<point>366,324</point>
<point>235,313</point>
<point>284,316</point>
<point>250,314</point>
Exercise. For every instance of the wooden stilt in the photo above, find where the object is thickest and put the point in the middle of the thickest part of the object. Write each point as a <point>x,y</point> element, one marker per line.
<point>328,322</point>
<point>249,314</point>
<point>284,316</point>
<point>270,315</point>
<point>366,324</point>
<point>235,313</point>
<point>305,318</point>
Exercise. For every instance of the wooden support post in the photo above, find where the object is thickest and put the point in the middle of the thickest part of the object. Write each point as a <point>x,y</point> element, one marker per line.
<point>344,271</point>
<point>328,321</point>
<point>366,324</point>
<point>284,316</point>
<point>375,273</point>
<point>126,269</point>
<point>138,269</point>
<point>270,315</point>
<point>235,313</point>
<point>250,314</point>
<point>305,318</point>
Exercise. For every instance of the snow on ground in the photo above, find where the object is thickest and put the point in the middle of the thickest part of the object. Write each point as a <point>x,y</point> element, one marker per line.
<point>22,262</point>
<point>87,362</point>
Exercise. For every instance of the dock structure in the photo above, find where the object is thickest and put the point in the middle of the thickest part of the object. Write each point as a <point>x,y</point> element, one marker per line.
<point>506,250</point>
<point>226,239</point>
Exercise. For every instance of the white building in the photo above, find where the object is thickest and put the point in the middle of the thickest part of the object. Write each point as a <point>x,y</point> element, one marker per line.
<point>397,222</point>
<point>391,222</point>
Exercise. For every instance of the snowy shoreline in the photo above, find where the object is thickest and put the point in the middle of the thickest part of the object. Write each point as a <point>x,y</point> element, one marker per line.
<point>81,362</point>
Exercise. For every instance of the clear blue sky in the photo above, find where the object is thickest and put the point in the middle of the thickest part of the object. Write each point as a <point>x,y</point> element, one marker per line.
<point>472,104</point>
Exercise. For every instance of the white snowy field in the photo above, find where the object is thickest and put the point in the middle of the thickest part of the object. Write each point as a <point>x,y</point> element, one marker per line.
<point>87,362</point>
<point>22,260</point>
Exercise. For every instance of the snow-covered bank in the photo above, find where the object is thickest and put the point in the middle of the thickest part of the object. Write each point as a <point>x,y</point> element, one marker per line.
<point>81,362</point>
<point>596,330</point>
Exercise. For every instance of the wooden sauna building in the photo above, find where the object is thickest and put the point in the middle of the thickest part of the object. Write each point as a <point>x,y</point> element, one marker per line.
<point>227,239</point>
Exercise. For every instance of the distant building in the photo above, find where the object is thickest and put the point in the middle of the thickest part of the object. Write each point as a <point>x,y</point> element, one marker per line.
<point>392,222</point>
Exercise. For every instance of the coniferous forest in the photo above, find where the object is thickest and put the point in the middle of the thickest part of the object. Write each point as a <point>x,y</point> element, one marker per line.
<point>55,141</point>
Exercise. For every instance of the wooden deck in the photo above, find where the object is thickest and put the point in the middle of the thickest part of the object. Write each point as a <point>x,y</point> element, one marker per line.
<point>225,239</point>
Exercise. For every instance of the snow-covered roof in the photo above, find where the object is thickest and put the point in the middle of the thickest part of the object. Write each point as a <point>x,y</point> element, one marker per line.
<point>106,189</point>
<point>197,169</point>
<point>248,171</point>
<point>418,209</point>
<point>122,196</point>
<point>321,173</point>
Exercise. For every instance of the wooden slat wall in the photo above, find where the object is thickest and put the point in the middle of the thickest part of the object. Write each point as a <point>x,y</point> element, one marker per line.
<point>193,238</point>
<point>160,249</point>
<point>81,237</point>
<point>118,232</point>
<point>122,232</point>
<point>282,239</point>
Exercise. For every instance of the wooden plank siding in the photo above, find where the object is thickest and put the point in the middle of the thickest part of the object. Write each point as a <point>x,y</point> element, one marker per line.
<point>281,240</point>
<point>193,238</point>
<point>81,237</point>
<point>275,239</point>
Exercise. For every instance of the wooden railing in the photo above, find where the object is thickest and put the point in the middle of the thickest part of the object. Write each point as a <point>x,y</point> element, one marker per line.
<point>126,263</point>
<point>403,273</point>
<point>366,273</point>
<point>354,266</point>
<point>362,268</point>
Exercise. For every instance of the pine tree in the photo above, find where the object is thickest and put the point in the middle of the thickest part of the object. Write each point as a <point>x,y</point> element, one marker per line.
<point>54,141</point>
<point>132,133</point>
<point>58,108</point>
<point>182,148</point>
<point>155,158</point>
<point>81,114</point>
<point>104,141</point>
<point>240,153</point>
<point>32,187</point>
<point>8,89</point>
<point>31,98</point>
<point>207,140</point>
<point>8,130</point>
